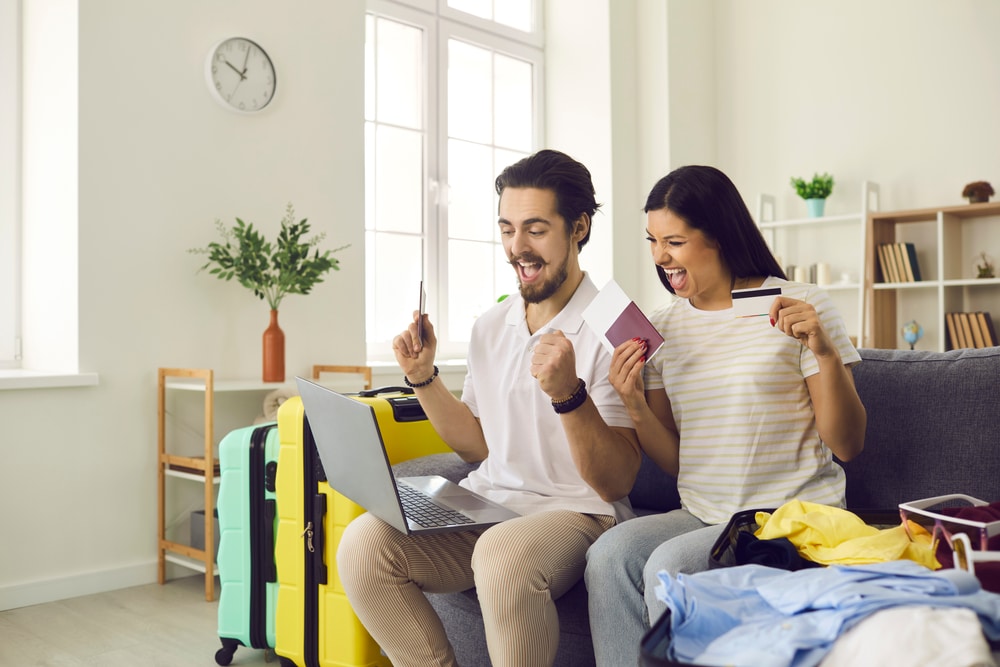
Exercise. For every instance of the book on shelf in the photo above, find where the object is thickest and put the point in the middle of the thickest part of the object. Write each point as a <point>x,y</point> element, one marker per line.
<point>887,266</point>
<point>963,320</point>
<point>912,266</point>
<point>986,324</point>
<point>970,330</point>
<point>953,331</point>
<point>898,254</point>
<point>898,262</point>
<point>977,335</point>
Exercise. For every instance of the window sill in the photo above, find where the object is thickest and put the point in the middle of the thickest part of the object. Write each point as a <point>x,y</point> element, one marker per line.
<point>24,379</point>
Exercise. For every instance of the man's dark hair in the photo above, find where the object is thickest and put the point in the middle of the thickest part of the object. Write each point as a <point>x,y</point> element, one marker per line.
<point>568,179</point>
<point>707,200</point>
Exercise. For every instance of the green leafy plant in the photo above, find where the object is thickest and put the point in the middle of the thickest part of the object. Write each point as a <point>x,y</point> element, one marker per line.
<point>290,265</point>
<point>986,269</point>
<point>819,187</point>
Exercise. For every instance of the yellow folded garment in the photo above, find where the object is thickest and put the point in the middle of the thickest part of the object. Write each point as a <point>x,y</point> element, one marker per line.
<point>830,535</point>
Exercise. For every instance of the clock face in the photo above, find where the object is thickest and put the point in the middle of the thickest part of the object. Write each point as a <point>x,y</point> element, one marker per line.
<point>240,75</point>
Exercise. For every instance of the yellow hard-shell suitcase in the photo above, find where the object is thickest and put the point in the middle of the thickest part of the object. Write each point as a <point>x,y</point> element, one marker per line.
<point>316,626</point>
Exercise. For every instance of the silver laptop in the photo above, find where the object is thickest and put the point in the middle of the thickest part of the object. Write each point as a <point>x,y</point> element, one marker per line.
<point>351,449</point>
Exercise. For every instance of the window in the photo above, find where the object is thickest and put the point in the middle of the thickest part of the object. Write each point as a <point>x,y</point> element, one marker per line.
<point>10,159</point>
<point>452,97</point>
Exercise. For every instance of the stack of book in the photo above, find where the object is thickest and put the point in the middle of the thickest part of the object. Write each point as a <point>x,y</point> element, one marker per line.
<point>898,262</point>
<point>970,330</point>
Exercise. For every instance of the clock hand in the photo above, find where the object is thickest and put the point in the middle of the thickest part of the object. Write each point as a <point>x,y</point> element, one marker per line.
<point>233,67</point>
<point>246,59</point>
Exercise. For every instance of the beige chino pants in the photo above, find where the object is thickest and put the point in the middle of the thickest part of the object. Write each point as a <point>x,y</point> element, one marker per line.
<point>519,567</point>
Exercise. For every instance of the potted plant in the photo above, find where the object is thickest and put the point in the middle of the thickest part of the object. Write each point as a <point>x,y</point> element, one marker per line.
<point>290,265</point>
<point>814,192</point>
<point>977,191</point>
<point>986,269</point>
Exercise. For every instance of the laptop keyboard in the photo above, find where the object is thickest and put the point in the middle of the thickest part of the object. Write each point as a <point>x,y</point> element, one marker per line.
<point>422,510</point>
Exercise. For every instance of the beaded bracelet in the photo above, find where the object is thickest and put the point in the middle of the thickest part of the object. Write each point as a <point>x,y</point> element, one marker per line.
<point>416,385</point>
<point>575,400</point>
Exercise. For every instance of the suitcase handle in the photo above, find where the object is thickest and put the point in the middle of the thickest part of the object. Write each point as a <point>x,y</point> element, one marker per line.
<point>385,390</point>
<point>318,537</point>
<point>270,567</point>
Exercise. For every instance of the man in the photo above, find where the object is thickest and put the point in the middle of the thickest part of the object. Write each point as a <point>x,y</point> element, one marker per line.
<point>537,409</point>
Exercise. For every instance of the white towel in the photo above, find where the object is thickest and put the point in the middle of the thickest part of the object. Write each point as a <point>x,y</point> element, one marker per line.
<point>272,402</point>
<point>913,637</point>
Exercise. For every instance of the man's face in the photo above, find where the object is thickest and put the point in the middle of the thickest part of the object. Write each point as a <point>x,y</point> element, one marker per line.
<point>535,240</point>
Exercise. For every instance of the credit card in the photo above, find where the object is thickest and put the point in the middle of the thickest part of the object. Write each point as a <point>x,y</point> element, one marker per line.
<point>754,302</point>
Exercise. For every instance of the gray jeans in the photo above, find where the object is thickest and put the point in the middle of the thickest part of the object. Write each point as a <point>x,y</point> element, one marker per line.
<point>621,576</point>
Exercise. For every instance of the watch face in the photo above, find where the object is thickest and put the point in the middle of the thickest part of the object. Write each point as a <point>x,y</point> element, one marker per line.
<point>241,75</point>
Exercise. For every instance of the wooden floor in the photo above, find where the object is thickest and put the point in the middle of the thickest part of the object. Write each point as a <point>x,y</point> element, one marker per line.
<point>169,626</point>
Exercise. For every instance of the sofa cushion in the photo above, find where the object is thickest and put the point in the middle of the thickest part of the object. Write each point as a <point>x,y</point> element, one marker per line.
<point>933,420</point>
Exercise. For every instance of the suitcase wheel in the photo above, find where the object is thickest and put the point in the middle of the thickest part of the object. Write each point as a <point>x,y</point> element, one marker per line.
<point>224,655</point>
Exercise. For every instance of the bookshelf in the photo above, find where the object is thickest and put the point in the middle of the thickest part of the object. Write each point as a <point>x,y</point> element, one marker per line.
<point>831,240</point>
<point>947,241</point>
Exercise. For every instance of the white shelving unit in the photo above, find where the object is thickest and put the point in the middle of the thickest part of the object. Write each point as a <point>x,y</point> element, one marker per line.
<point>947,241</point>
<point>835,240</point>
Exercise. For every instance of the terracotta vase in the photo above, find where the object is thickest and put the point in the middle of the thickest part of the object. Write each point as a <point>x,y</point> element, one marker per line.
<point>274,351</point>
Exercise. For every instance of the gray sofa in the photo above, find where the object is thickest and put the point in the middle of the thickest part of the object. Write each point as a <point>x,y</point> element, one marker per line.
<point>933,428</point>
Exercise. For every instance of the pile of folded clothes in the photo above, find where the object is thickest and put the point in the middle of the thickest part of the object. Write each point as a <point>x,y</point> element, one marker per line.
<point>816,584</point>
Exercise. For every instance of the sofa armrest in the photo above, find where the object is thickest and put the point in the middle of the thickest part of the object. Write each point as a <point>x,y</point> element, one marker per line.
<point>448,465</point>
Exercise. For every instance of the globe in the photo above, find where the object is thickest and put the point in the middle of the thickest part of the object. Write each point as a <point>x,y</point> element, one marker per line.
<point>912,332</point>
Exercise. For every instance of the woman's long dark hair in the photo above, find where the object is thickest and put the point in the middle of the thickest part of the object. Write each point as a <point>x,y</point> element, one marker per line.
<point>708,201</point>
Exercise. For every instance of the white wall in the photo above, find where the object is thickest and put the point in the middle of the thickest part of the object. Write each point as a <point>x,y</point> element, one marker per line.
<point>901,92</point>
<point>159,161</point>
<point>578,108</point>
<point>896,92</point>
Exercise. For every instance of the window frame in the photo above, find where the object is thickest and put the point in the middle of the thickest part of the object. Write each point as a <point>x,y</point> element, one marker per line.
<point>441,24</point>
<point>10,183</point>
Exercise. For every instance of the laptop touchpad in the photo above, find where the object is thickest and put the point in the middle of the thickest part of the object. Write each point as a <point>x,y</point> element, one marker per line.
<point>467,503</point>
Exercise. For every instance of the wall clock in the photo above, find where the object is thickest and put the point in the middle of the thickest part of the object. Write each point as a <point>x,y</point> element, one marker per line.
<point>240,75</point>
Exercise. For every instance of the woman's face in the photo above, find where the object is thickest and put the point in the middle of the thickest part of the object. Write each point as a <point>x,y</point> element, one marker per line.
<point>690,259</point>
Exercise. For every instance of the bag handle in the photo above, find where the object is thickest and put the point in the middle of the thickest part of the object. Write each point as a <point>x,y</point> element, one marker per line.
<point>385,390</point>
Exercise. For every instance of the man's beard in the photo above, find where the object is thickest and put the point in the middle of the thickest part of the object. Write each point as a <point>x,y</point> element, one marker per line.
<point>538,292</point>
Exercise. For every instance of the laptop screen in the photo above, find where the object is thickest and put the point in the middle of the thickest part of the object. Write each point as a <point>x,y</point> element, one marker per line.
<point>352,452</point>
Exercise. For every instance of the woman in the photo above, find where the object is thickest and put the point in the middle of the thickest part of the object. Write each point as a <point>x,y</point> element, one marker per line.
<point>746,412</point>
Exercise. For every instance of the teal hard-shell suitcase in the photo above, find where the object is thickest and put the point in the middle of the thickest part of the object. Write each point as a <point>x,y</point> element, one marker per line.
<point>247,513</point>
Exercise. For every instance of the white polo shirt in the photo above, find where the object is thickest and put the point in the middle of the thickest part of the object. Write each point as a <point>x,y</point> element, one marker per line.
<point>529,468</point>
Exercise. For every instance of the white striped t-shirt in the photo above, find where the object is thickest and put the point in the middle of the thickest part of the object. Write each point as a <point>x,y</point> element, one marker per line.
<point>737,389</point>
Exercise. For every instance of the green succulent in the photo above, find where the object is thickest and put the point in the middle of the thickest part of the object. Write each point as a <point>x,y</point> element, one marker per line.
<point>271,270</point>
<point>819,188</point>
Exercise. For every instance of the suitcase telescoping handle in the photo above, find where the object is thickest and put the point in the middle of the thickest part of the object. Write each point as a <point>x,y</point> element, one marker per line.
<point>367,393</point>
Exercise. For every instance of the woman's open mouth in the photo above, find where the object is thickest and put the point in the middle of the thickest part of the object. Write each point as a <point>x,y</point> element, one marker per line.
<point>677,278</point>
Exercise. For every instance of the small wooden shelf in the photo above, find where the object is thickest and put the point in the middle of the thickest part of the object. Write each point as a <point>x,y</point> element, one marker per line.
<point>202,560</point>
<point>195,469</point>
